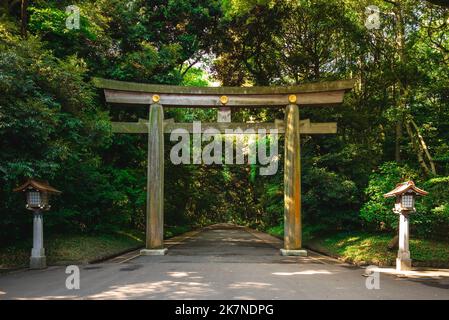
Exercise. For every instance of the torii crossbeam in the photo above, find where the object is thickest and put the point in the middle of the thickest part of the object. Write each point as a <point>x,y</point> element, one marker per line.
<point>224,98</point>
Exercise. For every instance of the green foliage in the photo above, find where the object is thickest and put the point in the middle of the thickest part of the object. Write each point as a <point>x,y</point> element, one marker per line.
<point>433,209</point>
<point>277,231</point>
<point>377,210</point>
<point>329,200</point>
<point>172,231</point>
<point>431,218</point>
<point>150,65</point>
<point>194,77</point>
<point>53,21</point>
<point>52,130</point>
<point>48,20</point>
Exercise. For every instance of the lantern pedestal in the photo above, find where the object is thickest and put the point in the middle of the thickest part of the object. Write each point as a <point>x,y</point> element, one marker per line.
<point>403,264</point>
<point>38,262</point>
<point>38,259</point>
<point>403,261</point>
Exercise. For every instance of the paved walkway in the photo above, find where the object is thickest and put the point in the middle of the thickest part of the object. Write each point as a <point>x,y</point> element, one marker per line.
<point>219,263</point>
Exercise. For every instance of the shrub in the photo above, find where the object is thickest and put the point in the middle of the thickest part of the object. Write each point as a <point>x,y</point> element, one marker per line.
<point>329,200</point>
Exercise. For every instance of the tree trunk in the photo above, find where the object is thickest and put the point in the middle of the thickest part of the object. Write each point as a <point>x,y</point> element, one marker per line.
<point>24,18</point>
<point>403,90</point>
<point>424,148</point>
<point>394,243</point>
<point>397,149</point>
<point>420,147</point>
<point>415,145</point>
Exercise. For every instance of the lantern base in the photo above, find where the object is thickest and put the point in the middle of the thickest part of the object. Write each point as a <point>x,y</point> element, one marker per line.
<point>300,252</point>
<point>38,262</point>
<point>153,252</point>
<point>403,264</point>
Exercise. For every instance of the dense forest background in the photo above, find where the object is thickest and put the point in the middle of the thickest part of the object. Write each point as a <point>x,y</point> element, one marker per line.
<point>55,125</point>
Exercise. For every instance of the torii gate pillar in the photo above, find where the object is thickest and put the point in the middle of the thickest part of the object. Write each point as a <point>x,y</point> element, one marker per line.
<point>155,182</point>
<point>292,183</point>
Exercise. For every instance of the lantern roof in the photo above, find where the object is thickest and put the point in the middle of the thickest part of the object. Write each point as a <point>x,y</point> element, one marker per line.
<point>405,187</point>
<point>38,185</point>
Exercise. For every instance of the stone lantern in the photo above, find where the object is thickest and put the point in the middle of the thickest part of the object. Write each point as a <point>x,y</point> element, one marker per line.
<point>37,198</point>
<point>405,194</point>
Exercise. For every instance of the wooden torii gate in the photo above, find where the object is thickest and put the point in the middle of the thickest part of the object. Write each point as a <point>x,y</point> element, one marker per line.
<point>158,96</point>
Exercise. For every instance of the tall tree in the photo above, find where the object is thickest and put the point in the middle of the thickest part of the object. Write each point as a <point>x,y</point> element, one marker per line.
<point>24,17</point>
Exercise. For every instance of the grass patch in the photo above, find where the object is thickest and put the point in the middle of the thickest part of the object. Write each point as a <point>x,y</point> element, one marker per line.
<point>172,231</point>
<point>79,248</point>
<point>365,248</point>
<point>276,231</point>
<point>66,249</point>
<point>308,232</point>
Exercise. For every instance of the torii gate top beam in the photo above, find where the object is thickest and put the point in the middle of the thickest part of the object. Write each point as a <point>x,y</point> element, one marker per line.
<point>319,93</point>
